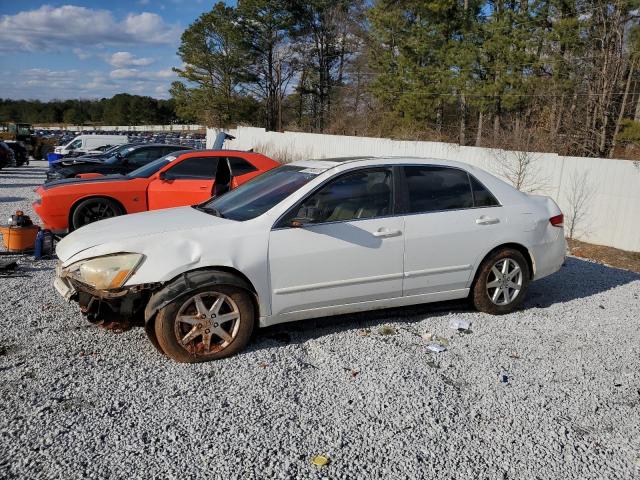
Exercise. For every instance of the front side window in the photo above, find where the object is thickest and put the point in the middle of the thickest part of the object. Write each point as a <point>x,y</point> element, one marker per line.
<point>142,156</point>
<point>352,196</point>
<point>74,145</point>
<point>433,189</point>
<point>153,167</point>
<point>195,167</point>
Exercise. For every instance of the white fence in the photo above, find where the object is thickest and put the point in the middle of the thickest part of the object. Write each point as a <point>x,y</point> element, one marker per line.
<point>125,128</point>
<point>606,191</point>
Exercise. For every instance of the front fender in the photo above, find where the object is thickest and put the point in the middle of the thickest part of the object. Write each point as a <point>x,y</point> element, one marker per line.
<point>189,281</point>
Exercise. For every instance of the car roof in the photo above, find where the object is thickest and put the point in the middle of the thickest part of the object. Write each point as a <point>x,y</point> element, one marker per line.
<point>328,163</point>
<point>140,145</point>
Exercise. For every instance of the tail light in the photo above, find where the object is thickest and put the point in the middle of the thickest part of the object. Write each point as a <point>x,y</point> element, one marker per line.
<point>557,221</point>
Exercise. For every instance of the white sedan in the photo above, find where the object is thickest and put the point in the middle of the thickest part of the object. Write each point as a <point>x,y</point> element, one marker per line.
<point>312,239</point>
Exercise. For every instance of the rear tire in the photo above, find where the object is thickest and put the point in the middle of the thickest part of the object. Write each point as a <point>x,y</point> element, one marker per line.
<point>501,282</point>
<point>206,324</point>
<point>94,209</point>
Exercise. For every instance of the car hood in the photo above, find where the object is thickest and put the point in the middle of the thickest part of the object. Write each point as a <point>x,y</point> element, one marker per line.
<point>128,232</point>
<point>65,162</point>
<point>85,181</point>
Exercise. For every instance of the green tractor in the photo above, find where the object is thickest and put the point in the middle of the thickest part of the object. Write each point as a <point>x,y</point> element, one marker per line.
<point>24,140</point>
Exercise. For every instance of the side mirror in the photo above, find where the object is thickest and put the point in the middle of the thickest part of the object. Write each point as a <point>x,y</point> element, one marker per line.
<point>163,176</point>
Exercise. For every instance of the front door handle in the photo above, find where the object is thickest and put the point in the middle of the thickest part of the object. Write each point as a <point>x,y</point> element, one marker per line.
<point>483,220</point>
<point>384,232</point>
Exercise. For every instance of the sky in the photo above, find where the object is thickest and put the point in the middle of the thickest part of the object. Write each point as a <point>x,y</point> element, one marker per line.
<point>60,50</point>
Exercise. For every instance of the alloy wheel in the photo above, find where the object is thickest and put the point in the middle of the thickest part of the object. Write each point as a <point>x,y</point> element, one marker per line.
<point>97,211</point>
<point>504,281</point>
<point>207,323</point>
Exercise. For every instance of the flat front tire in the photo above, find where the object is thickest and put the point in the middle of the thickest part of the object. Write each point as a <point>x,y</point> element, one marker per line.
<point>207,323</point>
<point>501,282</point>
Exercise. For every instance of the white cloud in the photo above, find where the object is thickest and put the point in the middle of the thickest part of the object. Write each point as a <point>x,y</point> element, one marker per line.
<point>166,73</point>
<point>135,74</point>
<point>50,27</point>
<point>126,59</point>
<point>81,54</point>
<point>125,73</point>
<point>47,84</point>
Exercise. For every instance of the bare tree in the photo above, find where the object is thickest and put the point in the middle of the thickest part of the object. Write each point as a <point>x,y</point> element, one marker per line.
<point>518,163</point>
<point>579,196</point>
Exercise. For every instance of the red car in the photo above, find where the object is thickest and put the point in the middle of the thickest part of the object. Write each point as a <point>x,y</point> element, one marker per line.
<point>175,180</point>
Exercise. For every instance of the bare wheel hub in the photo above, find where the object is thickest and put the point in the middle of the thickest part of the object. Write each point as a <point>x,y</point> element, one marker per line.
<point>195,328</point>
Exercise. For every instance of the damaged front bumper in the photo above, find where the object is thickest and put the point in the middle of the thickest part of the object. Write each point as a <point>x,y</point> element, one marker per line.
<point>123,305</point>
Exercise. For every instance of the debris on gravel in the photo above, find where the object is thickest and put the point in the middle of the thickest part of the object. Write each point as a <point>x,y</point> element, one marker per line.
<point>79,402</point>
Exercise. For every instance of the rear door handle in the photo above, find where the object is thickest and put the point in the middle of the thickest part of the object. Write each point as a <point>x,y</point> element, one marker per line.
<point>385,232</point>
<point>487,220</point>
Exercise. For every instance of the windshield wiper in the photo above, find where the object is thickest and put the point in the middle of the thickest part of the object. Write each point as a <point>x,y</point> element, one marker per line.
<point>209,210</point>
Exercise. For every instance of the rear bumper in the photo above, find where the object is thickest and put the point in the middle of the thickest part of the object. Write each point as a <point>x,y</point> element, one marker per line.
<point>548,257</point>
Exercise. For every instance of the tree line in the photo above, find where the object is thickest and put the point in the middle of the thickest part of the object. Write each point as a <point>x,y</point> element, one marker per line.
<point>560,75</point>
<point>121,109</point>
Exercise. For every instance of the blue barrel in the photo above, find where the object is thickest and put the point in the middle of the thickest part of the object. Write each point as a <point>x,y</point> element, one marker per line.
<point>52,157</point>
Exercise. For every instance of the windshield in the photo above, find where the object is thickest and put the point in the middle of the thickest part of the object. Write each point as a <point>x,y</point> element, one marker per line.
<point>75,144</point>
<point>116,149</point>
<point>150,168</point>
<point>115,158</point>
<point>260,194</point>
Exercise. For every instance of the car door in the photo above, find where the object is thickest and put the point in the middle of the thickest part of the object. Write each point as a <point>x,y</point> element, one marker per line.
<point>241,170</point>
<point>188,182</point>
<point>448,224</point>
<point>349,249</point>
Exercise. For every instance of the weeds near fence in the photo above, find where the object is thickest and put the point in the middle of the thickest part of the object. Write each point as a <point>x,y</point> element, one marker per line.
<point>282,154</point>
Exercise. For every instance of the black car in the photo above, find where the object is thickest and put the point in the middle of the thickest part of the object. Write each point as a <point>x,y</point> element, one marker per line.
<point>6,155</point>
<point>20,152</point>
<point>106,152</point>
<point>124,161</point>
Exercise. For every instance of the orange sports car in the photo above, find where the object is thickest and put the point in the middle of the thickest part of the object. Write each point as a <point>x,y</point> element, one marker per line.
<point>178,179</point>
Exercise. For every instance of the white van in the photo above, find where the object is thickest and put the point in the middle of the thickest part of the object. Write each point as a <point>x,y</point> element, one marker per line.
<point>86,143</point>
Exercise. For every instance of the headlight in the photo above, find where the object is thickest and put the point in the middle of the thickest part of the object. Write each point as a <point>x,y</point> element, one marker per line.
<point>105,273</point>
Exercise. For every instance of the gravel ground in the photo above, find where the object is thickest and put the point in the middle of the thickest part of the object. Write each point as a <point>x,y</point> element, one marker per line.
<point>79,402</point>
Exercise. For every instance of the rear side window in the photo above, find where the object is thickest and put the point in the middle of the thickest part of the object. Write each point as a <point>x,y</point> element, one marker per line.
<point>433,189</point>
<point>167,150</point>
<point>481,196</point>
<point>195,167</point>
<point>239,166</point>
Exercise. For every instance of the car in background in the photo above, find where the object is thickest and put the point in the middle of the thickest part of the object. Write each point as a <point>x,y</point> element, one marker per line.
<point>100,154</point>
<point>7,157</point>
<point>312,239</point>
<point>98,151</point>
<point>20,152</point>
<point>122,161</point>
<point>85,143</point>
<point>177,179</point>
